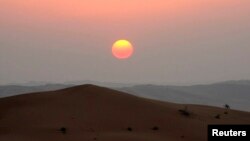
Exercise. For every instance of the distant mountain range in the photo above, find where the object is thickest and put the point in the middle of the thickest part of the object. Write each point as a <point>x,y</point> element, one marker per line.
<point>234,93</point>
<point>11,90</point>
<point>70,83</point>
<point>237,94</point>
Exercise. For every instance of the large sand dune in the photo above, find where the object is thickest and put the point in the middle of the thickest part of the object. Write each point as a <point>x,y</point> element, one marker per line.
<point>90,112</point>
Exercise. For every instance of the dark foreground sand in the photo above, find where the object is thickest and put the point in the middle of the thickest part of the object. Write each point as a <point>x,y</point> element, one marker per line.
<point>90,113</point>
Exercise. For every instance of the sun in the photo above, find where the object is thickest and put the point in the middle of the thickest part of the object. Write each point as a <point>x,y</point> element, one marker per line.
<point>122,49</point>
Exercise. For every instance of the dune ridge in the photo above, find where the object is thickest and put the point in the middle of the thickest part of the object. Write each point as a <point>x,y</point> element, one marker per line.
<point>90,112</point>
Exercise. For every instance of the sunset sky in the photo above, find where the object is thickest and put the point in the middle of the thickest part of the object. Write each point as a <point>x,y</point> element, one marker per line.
<point>175,41</point>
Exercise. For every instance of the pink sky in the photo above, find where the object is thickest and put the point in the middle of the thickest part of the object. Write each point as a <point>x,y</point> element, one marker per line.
<point>23,11</point>
<point>175,37</point>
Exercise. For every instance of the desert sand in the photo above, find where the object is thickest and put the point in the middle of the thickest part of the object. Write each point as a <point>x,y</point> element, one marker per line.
<point>88,112</point>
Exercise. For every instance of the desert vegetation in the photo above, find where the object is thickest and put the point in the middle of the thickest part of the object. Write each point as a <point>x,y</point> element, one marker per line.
<point>217,116</point>
<point>63,130</point>
<point>155,128</point>
<point>185,111</point>
<point>227,108</point>
<point>130,129</point>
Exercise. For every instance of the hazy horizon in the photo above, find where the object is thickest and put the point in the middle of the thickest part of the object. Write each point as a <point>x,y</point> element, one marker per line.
<point>176,42</point>
<point>119,84</point>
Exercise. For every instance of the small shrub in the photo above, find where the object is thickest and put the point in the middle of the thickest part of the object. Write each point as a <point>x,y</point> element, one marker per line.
<point>185,111</point>
<point>217,116</point>
<point>130,129</point>
<point>155,128</point>
<point>227,106</point>
<point>63,130</point>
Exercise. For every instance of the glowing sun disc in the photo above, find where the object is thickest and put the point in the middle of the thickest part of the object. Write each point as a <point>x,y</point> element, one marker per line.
<point>122,49</point>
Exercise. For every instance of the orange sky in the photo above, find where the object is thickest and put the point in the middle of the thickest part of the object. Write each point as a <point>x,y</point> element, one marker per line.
<point>123,14</point>
<point>112,9</point>
<point>186,34</point>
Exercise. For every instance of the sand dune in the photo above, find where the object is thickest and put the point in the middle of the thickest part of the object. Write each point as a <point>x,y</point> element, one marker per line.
<point>90,112</point>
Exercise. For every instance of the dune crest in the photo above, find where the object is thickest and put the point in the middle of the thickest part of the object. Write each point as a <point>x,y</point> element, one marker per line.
<point>90,112</point>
